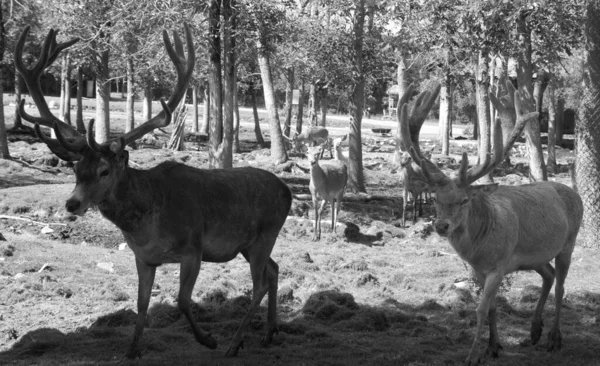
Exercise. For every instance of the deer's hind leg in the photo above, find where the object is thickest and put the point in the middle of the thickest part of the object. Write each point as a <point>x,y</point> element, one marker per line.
<point>265,273</point>
<point>562,263</point>
<point>547,273</point>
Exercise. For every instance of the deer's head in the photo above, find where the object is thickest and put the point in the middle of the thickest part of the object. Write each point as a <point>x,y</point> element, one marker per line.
<point>454,197</point>
<point>98,166</point>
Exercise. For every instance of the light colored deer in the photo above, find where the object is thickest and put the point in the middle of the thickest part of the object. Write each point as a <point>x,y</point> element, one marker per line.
<point>171,213</point>
<point>313,136</point>
<point>337,146</point>
<point>327,181</point>
<point>502,229</point>
<point>411,174</point>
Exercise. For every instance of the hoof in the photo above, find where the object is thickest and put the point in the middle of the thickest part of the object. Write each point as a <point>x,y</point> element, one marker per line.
<point>554,340</point>
<point>232,351</point>
<point>536,331</point>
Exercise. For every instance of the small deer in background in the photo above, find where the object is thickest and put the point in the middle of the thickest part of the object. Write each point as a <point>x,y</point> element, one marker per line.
<point>337,146</point>
<point>327,181</point>
<point>171,213</point>
<point>503,229</point>
<point>415,184</point>
<point>313,136</point>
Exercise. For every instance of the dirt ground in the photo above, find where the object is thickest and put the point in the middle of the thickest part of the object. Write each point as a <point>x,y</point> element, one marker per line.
<point>373,293</point>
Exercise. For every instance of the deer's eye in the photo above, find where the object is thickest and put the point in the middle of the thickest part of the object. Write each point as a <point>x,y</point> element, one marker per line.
<point>104,173</point>
<point>464,202</point>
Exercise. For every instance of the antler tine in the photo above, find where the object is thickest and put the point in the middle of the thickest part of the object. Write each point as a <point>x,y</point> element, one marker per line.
<point>48,55</point>
<point>419,113</point>
<point>184,68</point>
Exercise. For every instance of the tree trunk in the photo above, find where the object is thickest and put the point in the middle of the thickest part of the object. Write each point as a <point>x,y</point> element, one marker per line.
<point>63,86</point>
<point>236,118</point>
<point>206,113</point>
<point>18,123</point>
<point>560,119</point>
<point>402,79</point>
<point>525,77</point>
<point>356,182</point>
<point>229,87</point>
<point>4,153</point>
<point>259,137</point>
<point>79,114</point>
<point>587,167</point>
<point>312,104</point>
<point>551,163</point>
<point>215,157</point>
<point>300,107</point>
<point>483,110</point>
<point>289,93</point>
<point>102,124</point>
<point>195,126</point>
<point>278,152</point>
<point>147,103</point>
<point>444,125</point>
<point>130,103</point>
<point>324,106</point>
<point>67,113</point>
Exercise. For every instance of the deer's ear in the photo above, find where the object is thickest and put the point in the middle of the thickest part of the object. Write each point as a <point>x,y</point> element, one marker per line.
<point>123,159</point>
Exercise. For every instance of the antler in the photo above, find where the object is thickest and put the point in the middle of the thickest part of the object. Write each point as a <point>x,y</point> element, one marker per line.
<point>184,67</point>
<point>521,104</point>
<point>48,55</point>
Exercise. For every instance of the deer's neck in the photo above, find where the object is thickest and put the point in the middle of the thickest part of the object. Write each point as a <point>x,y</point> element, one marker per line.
<point>316,172</point>
<point>472,233</point>
<point>131,201</point>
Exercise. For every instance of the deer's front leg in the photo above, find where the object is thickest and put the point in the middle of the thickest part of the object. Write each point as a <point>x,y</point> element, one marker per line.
<point>146,275</point>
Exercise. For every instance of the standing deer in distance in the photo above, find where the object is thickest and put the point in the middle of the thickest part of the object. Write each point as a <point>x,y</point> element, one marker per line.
<point>313,136</point>
<point>411,174</point>
<point>337,146</point>
<point>171,213</point>
<point>503,229</point>
<point>328,181</point>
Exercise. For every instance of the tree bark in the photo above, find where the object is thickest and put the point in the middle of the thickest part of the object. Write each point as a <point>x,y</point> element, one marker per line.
<point>289,93</point>
<point>444,125</point>
<point>129,104</point>
<point>259,137</point>
<point>483,110</point>
<point>4,153</point>
<point>324,106</point>
<point>215,159</point>
<point>195,126</point>
<point>67,113</point>
<point>587,166</point>
<point>551,163</point>
<point>356,181</point>
<point>560,119</point>
<point>206,114</point>
<point>63,87</point>
<point>236,118</point>
<point>102,124</point>
<point>537,166</point>
<point>79,114</point>
<point>300,108</point>
<point>147,103</point>
<point>229,87</point>
<point>278,152</point>
<point>312,104</point>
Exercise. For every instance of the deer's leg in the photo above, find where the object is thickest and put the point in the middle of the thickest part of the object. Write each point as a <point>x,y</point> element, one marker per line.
<point>562,263</point>
<point>414,207</point>
<point>492,283</point>
<point>317,231</point>
<point>333,213</point>
<point>494,342</point>
<point>190,267</point>
<point>338,201</point>
<point>146,275</point>
<point>404,199</point>
<point>547,273</point>
<point>258,256</point>
<point>273,273</point>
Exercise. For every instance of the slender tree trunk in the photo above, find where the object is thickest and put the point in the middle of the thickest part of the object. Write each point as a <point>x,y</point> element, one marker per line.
<point>195,126</point>
<point>560,119</point>
<point>18,123</point>
<point>278,152</point>
<point>551,163</point>
<point>402,79</point>
<point>356,182</point>
<point>67,113</point>
<point>206,113</point>
<point>229,87</point>
<point>63,86</point>
<point>102,124</point>
<point>130,103</point>
<point>444,125</point>
<point>300,107</point>
<point>79,115</point>
<point>147,103</point>
<point>312,104</point>
<point>587,166</point>
<point>483,109</point>
<point>259,137</point>
<point>324,106</point>
<point>216,85</point>
<point>236,118</point>
<point>289,93</point>
<point>4,153</point>
<point>525,77</point>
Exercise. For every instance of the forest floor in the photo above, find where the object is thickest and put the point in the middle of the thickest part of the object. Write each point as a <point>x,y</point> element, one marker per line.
<point>375,293</point>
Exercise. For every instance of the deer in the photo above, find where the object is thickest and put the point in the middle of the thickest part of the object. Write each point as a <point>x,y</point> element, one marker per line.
<point>172,213</point>
<point>337,146</point>
<point>503,229</point>
<point>411,174</point>
<point>328,181</point>
<point>313,136</point>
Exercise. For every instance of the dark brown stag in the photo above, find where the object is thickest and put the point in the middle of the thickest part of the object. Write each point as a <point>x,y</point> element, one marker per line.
<point>502,229</point>
<point>172,213</point>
